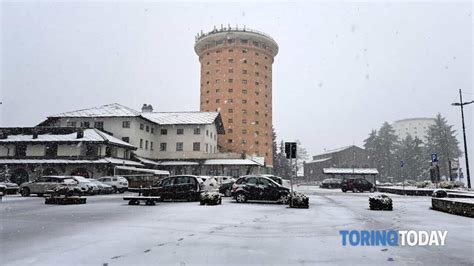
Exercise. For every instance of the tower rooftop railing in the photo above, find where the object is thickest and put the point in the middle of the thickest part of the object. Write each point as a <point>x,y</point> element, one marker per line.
<point>202,35</point>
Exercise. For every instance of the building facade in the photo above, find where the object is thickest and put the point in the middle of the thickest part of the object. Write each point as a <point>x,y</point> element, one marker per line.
<point>236,80</point>
<point>28,153</point>
<point>416,127</point>
<point>345,157</point>
<point>157,135</point>
<point>177,142</point>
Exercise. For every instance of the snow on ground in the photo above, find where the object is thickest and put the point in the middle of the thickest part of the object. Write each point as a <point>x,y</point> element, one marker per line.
<point>107,230</point>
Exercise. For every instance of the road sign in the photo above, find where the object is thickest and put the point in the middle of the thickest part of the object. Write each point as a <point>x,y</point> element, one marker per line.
<point>434,157</point>
<point>290,150</point>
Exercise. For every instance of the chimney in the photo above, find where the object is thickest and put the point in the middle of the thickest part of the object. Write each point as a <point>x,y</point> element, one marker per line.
<point>80,134</point>
<point>35,135</point>
<point>147,108</point>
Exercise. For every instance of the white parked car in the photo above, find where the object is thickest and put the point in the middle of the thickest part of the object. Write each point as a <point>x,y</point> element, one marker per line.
<point>86,186</point>
<point>210,183</point>
<point>118,183</point>
<point>103,188</point>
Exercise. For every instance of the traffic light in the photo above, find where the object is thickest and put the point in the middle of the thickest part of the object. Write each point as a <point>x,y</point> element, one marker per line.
<point>290,150</point>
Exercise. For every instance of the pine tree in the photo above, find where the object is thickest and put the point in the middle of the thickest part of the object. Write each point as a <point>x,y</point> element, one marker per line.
<point>372,147</point>
<point>274,148</point>
<point>387,141</point>
<point>301,156</point>
<point>410,151</point>
<point>441,139</point>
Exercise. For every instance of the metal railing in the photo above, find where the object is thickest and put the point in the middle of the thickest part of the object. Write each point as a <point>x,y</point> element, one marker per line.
<point>202,35</point>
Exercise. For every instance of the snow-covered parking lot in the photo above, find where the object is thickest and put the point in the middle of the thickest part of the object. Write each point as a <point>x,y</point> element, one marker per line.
<point>107,230</point>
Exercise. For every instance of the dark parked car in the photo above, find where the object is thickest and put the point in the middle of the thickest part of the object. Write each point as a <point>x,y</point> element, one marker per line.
<point>331,183</point>
<point>259,188</point>
<point>226,189</point>
<point>187,187</point>
<point>356,184</point>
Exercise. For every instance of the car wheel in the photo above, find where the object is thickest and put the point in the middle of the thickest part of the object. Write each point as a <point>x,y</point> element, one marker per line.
<point>344,190</point>
<point>220,202</point>
<point>122,190</point>
<point>228,193</point>
<point>283,199</point>
<point>241,198</point>
<point>115,189</point>
<point>25,192</point>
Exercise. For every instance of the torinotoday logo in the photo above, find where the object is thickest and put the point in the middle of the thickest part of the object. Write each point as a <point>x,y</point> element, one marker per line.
<point>392,238</point>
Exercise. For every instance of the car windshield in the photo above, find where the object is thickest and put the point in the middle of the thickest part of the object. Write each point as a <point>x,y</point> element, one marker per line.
<point>268,132</point>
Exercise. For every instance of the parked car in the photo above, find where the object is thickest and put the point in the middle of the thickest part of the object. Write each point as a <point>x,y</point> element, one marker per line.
<point>259,188</point>
<point>279,180</point>
<point>224,179</point>
<point>187,187</point>
<point>331,183</point>
<point>10,187</point>
<point>45,185</point>
<point>103,188</point>
<point>3,190</point>
<point>356,184</point>
<point>86,186</point>
<point>211,183</point>
<point>226,188</point>
<point>118,183</point>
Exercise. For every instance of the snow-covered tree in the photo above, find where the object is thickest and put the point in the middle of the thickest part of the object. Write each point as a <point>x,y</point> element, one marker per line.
<point>410,151</point>
<point>441,139</point>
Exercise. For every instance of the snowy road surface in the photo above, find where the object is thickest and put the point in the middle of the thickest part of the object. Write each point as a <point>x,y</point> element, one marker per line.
<point>108,231</point>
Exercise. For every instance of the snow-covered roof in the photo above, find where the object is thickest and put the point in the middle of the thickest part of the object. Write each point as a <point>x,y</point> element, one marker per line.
<point>108,110</point>
<point>259,160</point>
<point>230,162</point>
<point>347,171</point>
<point>146,161</point>
<point>66,161</point>
<point>122,161</point>
<point>320,160</point>
<point>51,161</point>
<point>144,170</point>
<point>90,135</point>
<point>181,118</point>
<point>336,150</point>
<point>171,163</point>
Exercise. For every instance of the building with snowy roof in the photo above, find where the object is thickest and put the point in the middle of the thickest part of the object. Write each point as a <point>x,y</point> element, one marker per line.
<point>157,135</point>
<point>178,142</point>
<point>28,153</point>
<point>344,157</point>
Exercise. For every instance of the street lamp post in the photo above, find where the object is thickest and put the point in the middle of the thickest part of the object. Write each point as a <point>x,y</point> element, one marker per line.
<point>460,103</point>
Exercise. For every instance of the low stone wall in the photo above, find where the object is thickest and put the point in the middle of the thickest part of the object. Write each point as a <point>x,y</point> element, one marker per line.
<point>453,206</point>
<point>407,191</point>
<point>423,192</point>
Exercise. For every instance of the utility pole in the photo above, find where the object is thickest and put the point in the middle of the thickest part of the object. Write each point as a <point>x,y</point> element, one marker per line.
<point>460,103</point>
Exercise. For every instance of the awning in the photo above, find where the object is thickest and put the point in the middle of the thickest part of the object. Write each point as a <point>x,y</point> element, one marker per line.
<point>143,170</point>
<point>351,171</point>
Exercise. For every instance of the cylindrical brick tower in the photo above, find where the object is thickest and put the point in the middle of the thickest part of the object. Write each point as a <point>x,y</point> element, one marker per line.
<point>236,80</point>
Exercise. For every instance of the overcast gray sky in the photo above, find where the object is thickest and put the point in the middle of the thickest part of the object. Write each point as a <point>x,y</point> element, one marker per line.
<point>342,70</point>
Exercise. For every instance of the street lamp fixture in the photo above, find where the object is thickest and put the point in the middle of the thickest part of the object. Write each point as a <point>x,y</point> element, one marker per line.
<point>460,103</point>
